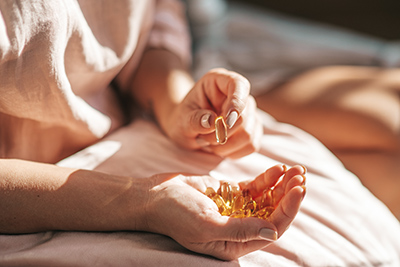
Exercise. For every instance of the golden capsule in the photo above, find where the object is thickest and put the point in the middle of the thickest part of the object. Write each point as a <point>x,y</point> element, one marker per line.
<point>238,203</point>
<point>238,214</point>
<point>210,192</point>
<point>246,195</point>
<point>250,206</point>
<point>221,131</point>
<point>222,208</point>
<point>226,193</point>
<point>233,202</point>
<point>264,212</point>
<point>235,191</point>
<point>241,214</point>
<point>226,212</point>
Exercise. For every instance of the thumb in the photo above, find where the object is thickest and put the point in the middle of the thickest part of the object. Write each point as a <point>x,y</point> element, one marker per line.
<point>248,229</point>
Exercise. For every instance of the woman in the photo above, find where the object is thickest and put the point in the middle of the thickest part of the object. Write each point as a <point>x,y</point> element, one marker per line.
<point>58,60</point>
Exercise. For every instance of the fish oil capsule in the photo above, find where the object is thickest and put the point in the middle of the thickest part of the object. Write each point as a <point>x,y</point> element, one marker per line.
<point>221,131</point>
<point>246,195</point>
<point>226,193</point>
<point>265,212</point>
<point>210,192</point>
<point>235,191</point>
<point>238,203</point>
<point>241,214</point>
<point>250,206</point>
<point>238,214</point>
<point>222,208</point>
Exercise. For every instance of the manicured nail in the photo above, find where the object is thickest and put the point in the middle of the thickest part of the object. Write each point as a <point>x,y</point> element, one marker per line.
<point>205,120</point>
<point>284,167</point>
<point>305,169</point>
<point>304,179</point>
<point>268,234</point>
<point>304,191</point>
<point>231,119</point>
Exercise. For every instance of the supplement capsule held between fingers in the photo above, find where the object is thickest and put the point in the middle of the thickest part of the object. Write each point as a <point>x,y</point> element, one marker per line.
<point>221,131</point>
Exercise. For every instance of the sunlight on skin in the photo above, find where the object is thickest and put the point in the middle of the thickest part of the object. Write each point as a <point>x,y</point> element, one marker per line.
<point>374,104</point>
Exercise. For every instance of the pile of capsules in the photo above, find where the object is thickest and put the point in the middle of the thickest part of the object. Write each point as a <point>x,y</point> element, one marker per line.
<point>233,202</point>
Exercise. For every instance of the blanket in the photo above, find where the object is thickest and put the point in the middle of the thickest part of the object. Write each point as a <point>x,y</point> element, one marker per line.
<point>340,222</point>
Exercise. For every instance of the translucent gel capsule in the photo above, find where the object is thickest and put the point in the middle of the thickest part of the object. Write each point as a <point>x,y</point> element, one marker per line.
<point>241,214</point>
<point>251,206</point>
<point>226,212</point>
<point>210,192</point>
<point>226,193</point>
<point>235,191</point>
<point>264,212</point>
<point>238,214</point>
<point>246,195</point>
<point>221,131</point>
<point>238,203</point>
<point>222,208</point>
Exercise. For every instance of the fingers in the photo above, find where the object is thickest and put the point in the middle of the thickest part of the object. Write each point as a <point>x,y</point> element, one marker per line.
<point>244,137</point>
<point>288,195</point>
<point>288,192</point>
<point>268,179</point>
<point>233,86</point>
<point>247,229</point>
<point>206,231</point>
<point>296,173</point>
<point>202,121</point>
<point>236,237</point>
<point>288,208</point>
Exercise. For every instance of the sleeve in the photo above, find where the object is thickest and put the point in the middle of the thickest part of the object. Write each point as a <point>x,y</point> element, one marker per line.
<point>170,30</point>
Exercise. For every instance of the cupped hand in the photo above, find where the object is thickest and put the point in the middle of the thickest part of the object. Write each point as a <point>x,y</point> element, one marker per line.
<point>177,207</point>
<point>218,93</point>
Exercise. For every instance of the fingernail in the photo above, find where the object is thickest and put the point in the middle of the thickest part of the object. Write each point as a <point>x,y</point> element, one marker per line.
<point>304,179</point>
<point>231,119</point>
<point>305,169</point>
<point>284,167</point>
<point>205,120</point>
<point>304,191</point>
<point>268,234</point>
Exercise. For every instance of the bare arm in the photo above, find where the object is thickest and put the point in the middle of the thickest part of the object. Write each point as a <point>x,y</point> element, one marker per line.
<point>160,83</point>
<point>186,110</point>
<point>36,197</point>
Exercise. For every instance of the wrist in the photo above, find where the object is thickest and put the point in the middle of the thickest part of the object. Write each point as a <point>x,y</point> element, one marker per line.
<point>136,203</point>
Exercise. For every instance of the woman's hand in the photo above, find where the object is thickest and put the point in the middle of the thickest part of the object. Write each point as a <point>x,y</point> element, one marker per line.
<point>217,93</point>
<point>177,207</point>
<point>186,110</point>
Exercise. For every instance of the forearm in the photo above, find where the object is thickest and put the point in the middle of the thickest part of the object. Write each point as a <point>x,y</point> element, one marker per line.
<point>36,197</point>
<point>161,83</point>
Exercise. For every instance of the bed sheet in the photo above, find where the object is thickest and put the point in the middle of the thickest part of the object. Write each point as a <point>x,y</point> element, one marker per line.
<point>340,222</point>
<point>269,47</point>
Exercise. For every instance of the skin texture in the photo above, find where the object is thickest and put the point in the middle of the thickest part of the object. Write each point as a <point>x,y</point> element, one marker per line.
<point>355,112</point>
<point>38,197</point>
<point>169,204</point>
<point>178,103</point>
<point>202,229</point>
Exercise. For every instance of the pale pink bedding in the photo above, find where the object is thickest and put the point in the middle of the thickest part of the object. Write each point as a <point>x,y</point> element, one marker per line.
<point>339,224</point>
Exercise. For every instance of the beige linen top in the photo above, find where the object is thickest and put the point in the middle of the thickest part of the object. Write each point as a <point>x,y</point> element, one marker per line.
<point>57,59</point>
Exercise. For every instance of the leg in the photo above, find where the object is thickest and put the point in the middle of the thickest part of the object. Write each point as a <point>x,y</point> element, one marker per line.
<point>355,112</point>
